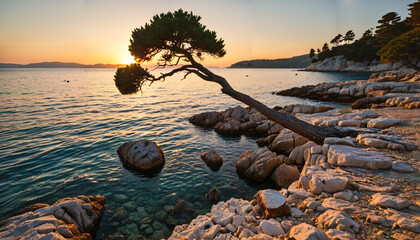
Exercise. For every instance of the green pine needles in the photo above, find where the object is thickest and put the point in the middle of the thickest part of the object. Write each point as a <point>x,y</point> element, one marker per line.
<point>172,37</point>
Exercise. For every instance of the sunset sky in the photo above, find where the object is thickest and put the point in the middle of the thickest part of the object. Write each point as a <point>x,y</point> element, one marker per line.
<point>98,31</point>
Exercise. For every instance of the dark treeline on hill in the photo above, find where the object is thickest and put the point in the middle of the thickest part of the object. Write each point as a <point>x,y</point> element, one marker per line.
<point>393,40</point>
<point>302,61</point>
<point>58,65</point>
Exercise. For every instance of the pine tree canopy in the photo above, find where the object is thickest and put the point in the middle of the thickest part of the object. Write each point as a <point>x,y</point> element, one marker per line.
<point>174,34</point>
<point>404,48</point>
<point>171,37</point>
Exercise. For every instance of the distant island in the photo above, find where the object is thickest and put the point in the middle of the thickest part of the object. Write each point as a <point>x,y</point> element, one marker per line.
<point>59,65</point>
<point>301,61</point>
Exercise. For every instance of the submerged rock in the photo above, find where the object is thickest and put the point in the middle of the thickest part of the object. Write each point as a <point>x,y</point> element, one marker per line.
<point>206,119</point>
<point>142,155</point>
<point>213,195</point>
<point>77,218</point>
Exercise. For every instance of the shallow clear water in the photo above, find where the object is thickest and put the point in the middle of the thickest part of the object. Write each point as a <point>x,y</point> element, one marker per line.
<point>59,139</point>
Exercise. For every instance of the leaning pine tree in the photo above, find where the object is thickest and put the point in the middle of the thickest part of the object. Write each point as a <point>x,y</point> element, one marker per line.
<point>180,37</point>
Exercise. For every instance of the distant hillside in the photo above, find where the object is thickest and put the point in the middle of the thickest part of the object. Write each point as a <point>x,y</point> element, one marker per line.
<point>302,61</point>
<point>58,65</point>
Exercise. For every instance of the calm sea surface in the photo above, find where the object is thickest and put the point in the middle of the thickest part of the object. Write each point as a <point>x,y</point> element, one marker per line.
<point>59,139</point>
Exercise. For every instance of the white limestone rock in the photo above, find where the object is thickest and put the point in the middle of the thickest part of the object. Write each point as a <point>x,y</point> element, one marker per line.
<point>385,200</point>
<point>296,156</point>
<point>350,123</point>
<point>221,214</point>
<point>335,234</point>
<point>346,156</point>
<point>271,227</point>
<point>306,231</point>
<point>382,123</point>
<point>212,232</point>
<point>197,229</point>
<point>345,195</point>
<point>238,220</point>
<point>327,181</point>
<point>339,141</point>
<point>401,166</point>
<point>296,213</point>
<point>272,203</point>
<point>341,205</point>
<point>409,224</point>
<point>337,219</point>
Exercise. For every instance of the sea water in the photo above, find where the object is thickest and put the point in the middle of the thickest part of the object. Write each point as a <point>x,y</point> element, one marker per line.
<point>60,129</point>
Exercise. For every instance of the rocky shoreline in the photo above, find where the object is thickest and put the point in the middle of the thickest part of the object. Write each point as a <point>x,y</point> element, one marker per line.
<point>359,187</point>
<point>341,190</point>
<point>68,218</point>
<point>390,89</point>
<point>341,64</point>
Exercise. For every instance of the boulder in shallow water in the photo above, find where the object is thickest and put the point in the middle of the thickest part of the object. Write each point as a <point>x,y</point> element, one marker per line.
<point>213,195</point>
<point>206,119</point>
<point>258,165</point>
<point>142,155</point>
<point>212,159</point>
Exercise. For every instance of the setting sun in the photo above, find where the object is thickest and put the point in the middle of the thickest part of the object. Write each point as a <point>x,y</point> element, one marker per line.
<point>129,60</point>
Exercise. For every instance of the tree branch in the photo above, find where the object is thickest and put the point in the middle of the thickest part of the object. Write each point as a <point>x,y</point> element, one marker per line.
<point>164,75</point>
<point>199,74</point>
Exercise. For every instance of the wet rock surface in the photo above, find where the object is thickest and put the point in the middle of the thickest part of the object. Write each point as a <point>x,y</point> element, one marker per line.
<point>347,188</point>
<point>397,89</point>
<point>239,120</point>
<point>212,159</point>
<point>75,218</point>
<point>142,155</point>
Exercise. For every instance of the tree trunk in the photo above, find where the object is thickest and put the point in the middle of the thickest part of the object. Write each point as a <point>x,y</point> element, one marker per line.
<point>412,65</point>
<point>313,133</point>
